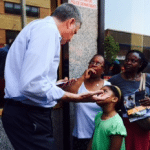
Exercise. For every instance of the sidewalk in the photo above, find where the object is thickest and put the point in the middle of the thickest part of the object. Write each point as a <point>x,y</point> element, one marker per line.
<point>4,142</point>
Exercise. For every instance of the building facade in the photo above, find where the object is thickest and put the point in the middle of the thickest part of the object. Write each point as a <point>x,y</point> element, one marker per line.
<point>130,41</point>
<point>10,15</point>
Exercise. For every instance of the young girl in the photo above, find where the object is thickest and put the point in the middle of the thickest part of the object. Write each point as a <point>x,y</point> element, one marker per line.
<point>109,128</point>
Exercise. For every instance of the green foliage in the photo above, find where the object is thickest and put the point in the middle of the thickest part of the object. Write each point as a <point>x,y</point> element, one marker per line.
<point>111,48</point>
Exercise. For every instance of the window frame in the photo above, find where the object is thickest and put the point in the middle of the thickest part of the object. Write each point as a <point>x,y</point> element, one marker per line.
<point>15,11</point>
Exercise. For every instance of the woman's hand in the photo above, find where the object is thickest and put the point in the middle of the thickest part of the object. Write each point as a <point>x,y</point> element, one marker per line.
<point>64,83</point>
<point>65,80</point>
<point>145,101</point>
<point>69,83</point>
<point>88,73</point>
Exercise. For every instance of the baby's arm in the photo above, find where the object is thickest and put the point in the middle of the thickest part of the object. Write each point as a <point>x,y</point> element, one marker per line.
<point>116,142</point>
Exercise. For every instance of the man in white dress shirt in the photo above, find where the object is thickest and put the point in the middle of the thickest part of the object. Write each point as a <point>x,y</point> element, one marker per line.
<point>30,75</point>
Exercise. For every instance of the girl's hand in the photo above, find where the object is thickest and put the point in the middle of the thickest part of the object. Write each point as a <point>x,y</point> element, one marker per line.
<point>88,73</point>
<point>145,101</point>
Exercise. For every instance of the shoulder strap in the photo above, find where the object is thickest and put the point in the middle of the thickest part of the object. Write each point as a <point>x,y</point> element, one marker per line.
<point>142,82</point>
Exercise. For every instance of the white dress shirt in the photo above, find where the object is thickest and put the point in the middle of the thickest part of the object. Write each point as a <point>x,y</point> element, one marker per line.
<point>32,63</point>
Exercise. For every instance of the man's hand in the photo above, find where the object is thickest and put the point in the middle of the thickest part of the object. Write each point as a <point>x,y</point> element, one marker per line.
<point>100,97</point>
<point>84,97</point>
<point>92,96</point>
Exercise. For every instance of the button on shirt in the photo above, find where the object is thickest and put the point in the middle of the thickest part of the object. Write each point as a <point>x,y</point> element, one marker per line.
<point>32,63</point>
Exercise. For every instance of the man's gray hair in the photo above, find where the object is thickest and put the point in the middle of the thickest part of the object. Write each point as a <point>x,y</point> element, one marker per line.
<point>67,11</point>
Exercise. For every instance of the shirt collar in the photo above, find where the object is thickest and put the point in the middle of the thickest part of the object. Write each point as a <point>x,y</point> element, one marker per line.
<point>57,28</point>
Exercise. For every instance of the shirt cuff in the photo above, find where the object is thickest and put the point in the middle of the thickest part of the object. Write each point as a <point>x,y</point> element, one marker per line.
<point>55,93</point>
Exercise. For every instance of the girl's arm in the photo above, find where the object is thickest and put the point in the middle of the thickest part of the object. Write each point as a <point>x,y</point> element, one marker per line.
<point>116,142</point>
<point>89,147</point>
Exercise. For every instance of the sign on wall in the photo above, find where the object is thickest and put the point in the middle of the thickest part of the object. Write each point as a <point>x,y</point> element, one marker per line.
<point>85,3</point>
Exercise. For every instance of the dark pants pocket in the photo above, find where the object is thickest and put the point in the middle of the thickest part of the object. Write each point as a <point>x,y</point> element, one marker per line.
<point>28,129</point>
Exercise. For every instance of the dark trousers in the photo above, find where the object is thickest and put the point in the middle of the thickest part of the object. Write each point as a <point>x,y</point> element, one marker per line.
<point>28,127</point>
<point>80,144</point>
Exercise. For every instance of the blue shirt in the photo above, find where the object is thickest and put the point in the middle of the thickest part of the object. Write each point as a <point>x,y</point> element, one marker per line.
<point>129,87</point>
<point>32,63</point>
<point>5,49</point>
<point>3,54</point>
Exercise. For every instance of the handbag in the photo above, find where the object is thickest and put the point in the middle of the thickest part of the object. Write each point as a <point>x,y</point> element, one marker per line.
<point>135,111</point>
<point>143,123</point>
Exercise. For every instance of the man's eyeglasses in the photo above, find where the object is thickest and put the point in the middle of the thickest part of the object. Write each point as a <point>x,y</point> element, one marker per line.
<point>96,63</point>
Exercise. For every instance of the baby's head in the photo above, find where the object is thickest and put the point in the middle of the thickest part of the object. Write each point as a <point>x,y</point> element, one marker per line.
<point>113,95</point>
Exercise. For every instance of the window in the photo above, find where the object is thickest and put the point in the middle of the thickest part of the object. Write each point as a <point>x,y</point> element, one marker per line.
<point>9,8</point>
<point>17,9</point>
<point>28,10</point>
<point>11,35</point>
<point>14,8</point>
<point>34,11</point>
